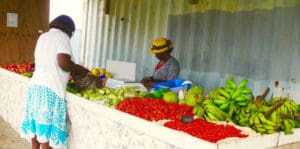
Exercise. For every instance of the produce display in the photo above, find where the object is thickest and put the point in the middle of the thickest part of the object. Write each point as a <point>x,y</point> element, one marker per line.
<point>154,109</point>
<point>101,72</point>
<point>109,96</point>
<point>235,103</point>
<point>192,111</point>
<point>25,69</point>
<point>206,130</point>
<point>270,117</point>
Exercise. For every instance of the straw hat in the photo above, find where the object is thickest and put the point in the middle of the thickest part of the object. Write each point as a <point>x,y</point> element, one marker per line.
<point>161,45</point>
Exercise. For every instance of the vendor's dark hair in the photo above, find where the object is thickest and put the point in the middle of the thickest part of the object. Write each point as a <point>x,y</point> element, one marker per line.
<point>170,50</point>
<point>63,23</point>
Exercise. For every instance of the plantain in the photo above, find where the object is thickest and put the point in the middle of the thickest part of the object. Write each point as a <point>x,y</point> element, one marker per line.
<point>261,130</point>
<point>242,103</point>
<point>246,91</point>
<point>230,84</point>
<point>224,106</point>
<point>219,100</point>
<point>287,128</point>
<point>268,127</point>
<point>223,92</point>
<point>240,99</point>
<point>195,109</point>
<point>232,109</point>
<point>264,120</point>
<point>256,119</point>
<point>236,93</point>
<point>198,110</point>
<point>243,83</point>
<point>246,96</point>
<point>217,111</point>
<point>212,117</point>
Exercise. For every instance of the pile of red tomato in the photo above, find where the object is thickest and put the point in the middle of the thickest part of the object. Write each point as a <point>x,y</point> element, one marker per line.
<point>23,68</point>
<point>154,109</point>
<point>205,130</point>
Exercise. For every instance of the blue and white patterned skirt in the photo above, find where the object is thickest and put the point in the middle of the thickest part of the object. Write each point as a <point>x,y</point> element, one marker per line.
<point>45,117</point>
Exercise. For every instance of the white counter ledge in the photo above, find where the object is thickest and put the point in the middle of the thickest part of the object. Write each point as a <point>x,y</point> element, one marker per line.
<point>92,125</point>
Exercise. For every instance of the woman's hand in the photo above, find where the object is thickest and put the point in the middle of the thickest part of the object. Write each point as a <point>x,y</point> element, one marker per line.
<point>146,79</point>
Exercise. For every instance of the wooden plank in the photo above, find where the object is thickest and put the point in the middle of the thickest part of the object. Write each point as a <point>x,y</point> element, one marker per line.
<point>17,44</point>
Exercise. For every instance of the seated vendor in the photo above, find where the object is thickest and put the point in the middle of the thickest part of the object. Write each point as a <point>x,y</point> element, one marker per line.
<point>167,68</point>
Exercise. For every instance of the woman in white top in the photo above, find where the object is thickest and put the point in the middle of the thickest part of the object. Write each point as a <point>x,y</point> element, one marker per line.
<point>45,111</point>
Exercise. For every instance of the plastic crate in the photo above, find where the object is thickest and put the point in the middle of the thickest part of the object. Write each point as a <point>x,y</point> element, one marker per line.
<point>174,85</point>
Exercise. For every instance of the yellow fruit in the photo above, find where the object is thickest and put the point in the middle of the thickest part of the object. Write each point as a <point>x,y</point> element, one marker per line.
<point>102,71</point>
<point>108,75</point>
<point>95,72</point>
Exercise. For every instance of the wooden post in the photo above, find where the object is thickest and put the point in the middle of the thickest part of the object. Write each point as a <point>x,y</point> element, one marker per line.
<point>106,6</point>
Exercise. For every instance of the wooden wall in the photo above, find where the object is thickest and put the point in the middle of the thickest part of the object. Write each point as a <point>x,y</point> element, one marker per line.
<point>17,44</point>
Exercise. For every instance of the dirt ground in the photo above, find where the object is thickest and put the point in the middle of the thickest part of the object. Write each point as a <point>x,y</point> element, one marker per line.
<point>10,139</point>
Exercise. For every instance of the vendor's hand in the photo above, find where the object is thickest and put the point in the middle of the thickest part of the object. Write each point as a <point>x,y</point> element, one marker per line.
<point>146,79</point>
<point>148,84</point>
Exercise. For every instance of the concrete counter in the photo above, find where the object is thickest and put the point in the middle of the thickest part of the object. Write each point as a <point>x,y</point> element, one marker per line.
<point>93,125</point>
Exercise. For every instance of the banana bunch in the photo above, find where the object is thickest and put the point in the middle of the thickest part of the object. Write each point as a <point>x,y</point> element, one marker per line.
<point>261,124</point>
<point>198,110</point>
<point>288,125</point>
<point>289,107</point>
<point>243,115</point>
<point>213,112</point>
<point>253,117</point>
<point>233,96</point>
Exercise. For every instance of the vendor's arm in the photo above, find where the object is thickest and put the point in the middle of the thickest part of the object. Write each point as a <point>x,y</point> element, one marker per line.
<point>65,62</point>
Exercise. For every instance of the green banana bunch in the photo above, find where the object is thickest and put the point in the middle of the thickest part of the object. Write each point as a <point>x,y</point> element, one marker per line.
<point>198,110</point>
<point>253,117</point>
<point>242,117</point>
<point>288,125</point>
<point>289,107</point>
<point>261,124</point>
<point>213,112</point>
<point>232,92</point>
<point>230,98</point>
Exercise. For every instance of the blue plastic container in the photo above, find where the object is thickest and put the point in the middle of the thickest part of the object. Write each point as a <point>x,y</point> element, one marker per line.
<point>174,85</point>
